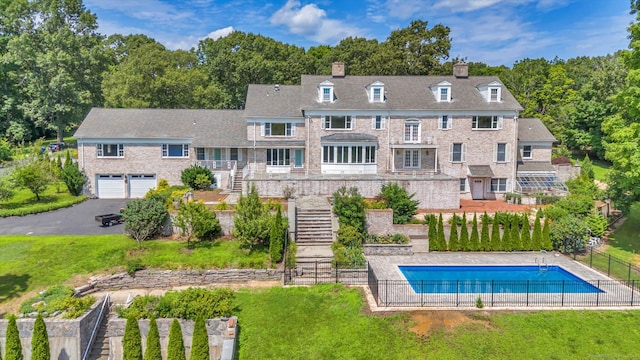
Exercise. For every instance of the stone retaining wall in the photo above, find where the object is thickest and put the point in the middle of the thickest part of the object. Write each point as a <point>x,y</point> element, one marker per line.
<point>166,279</point>
<point>388,249</point>
<point>380,221</point>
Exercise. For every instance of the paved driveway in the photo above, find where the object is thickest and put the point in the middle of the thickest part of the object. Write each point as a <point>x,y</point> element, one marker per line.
<point>76,220</point>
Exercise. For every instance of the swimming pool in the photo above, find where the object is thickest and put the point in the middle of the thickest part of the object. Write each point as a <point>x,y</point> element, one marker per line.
<point>494,279</point>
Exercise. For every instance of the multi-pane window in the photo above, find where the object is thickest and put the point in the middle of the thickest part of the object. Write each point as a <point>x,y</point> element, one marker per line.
<point>412,158</point>
<point>278,129</point>
<point>110,150</point>
<point>463,185</point>
<point>445,122</point>
<point>412,131</point>
<point>378,122</point>
<point>444,94</point>
<point>326,94</point>
<point>526,152</point>
<point>199,153</point>
<point>278,157</point>
<point>501,152</point>
<point>348,154</point>
<point>457,152</point>
<point>498,185</point>
<point>175,150</point>
<point>493,94</point>
<point>377,94</point>
<point>487,122</point>
<point>337,122</point>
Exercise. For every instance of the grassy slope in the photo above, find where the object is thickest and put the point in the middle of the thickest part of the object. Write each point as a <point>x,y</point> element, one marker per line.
<point>327,322</point>
<point>24,201</point>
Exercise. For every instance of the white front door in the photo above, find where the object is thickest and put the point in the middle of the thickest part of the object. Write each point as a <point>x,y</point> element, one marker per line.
<point>477,189</point>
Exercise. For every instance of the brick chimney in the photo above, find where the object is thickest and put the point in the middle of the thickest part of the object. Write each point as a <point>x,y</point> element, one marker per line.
<point>337,69</point>
<point>461,70</point>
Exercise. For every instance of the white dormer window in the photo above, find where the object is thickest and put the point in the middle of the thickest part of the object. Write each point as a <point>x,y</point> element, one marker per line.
<point>442,92</point>
<point>494,94</point>
<point>491,92</point>
<point>326,92</point>
<point>376,92</point>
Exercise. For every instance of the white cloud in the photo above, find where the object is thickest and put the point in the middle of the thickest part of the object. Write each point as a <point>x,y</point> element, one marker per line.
<point>148,10</point>
<point>220,33</point>
<point>311,21</point>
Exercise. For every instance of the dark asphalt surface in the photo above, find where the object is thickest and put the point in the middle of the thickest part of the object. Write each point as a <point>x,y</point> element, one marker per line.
<point>75,220</point>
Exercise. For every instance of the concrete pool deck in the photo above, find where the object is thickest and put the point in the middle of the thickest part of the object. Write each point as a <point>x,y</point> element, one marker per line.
<point>393,290</point>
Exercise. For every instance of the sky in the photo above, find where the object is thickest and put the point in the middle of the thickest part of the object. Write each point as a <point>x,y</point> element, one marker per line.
<point>496,32</point>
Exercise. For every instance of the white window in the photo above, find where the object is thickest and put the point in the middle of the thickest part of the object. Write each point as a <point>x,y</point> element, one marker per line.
<point>278,129</point>
<point>494,94</point>
<point>412,131</point>
<point>376,94</point>
<point>377,122</point>
<point>336,122</point>
<point>175,150</point>
<point>412,158</point>
<point>526,152</point>
<point>501,152</point>
<point>110,150</point>
<point>278,157</point>
<point>445,122</point>
<point>326,94</point>
<point>487,122</point>
<point>444,94</point>
<point>348,154</point>
<point>498,185</point>
<point>457,152</point>
<point>463,185</point>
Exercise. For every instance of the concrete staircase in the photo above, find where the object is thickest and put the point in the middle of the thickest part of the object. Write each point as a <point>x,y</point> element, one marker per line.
<point>237,183</point>
<point>100,348</point>
<point>314,229</point>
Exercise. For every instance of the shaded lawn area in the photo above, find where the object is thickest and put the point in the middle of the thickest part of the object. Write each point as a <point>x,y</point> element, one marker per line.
<point>328,322</point>
<point>32,262</point>
<point>627,237</point>
<point>24,202</point>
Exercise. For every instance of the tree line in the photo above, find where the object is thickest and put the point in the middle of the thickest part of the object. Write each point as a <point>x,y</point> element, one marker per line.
<point>55,66</point>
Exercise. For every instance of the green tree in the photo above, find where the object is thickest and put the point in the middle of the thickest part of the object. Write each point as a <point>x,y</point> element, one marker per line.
<point>195,220</point>
<point>276,238</point>
<point>131,341</point>
<point>40,340</point>
<point>527,244</point>
<point>200,342</point>
<point>348,205</point>
<point>454,241</point>
<point>144,218</point>
<point>536,238</point>
<point>569,234</point>
<point>507,244</point>
<point>6,188</point>
<point>546,235</point>
<point>474,240</point>
<point>34,176</point>
<point>175,349</point>
<point>13,347</point>
<point>73,178</point>
<point>485,240</point>
<point>516,240</point>
<point>442,243</point>
<point>251,222</point>
<point>496,243</point>
<point>464,234</point>
<point>197,177</point>
<point>153,350</point>
<point>397,198</point>
<point>433,233</point>
<point>347,249</point>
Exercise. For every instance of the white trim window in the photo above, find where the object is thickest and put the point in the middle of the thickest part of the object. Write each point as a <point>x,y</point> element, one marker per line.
<point>325,92</point>
<point>527,152</point>
<point>378,122</point>
<point>412,131</point>
<point>486,122</point>
<point>337,122</point>
<point>278,129</point>
<point>445,122</point>
<point>499,185</point>
<point>278,157</point>
<point>175,150</point>
<point>463,185</point>
<point>377,94</point>
<point>110,150</point>
<point>348,154</point>
<point>502,152</point>
<point>494,94</point>
<point>457,152</point>
<point>412,159</point>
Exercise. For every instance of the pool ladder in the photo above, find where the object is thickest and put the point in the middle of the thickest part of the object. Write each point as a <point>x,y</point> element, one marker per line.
<point>542,264</point>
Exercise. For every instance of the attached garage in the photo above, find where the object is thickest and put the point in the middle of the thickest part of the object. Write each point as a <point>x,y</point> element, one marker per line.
<point>111,187</point>
<point>140,184</point>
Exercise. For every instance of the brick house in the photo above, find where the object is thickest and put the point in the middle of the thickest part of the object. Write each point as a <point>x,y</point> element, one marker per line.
<point>444,138</point>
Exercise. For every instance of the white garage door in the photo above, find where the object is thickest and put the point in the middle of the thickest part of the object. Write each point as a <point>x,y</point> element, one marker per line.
<point>111,187</point>
<point>140,184</point>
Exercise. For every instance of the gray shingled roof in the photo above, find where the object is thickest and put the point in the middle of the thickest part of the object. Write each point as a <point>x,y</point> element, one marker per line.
<point>480,171</point>
<point>535,166</point>
<point>404,93</point>
<point>532,129</point>
<point>265,101</point>
<point>347,137</point>
<point>204,127</point>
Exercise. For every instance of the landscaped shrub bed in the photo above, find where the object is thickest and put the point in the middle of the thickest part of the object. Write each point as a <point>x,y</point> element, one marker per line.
<point>187,304</point>
<point>57,299</point>
<point>386,239</point>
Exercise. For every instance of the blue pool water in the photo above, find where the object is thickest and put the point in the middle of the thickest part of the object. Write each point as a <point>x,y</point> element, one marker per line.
<point>497,279</point>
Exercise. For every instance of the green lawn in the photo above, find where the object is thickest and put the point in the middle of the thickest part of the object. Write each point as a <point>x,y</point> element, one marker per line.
<point>328,322</point>
<point>24,202</point>
<point>33,262</point>
<point>627,237</point>
<point>600,169</point>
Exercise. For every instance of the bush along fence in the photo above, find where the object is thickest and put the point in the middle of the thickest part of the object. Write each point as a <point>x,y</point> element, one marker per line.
<point>324,272</point>
<point>463,293</point>
<point>610,265</point>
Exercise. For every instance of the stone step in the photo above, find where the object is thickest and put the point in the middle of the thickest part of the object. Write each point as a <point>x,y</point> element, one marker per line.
<point>315,230</point>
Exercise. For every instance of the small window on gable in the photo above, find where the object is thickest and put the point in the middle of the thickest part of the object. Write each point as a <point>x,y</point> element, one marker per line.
<point>443,92</point>
<point>326,92</point>
<point>494,95</point>
<point>375,92</point>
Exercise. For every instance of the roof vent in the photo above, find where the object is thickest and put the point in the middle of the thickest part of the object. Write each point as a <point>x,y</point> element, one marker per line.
<point>461,70</point>
<point>276,88</point>
<point>337,69</point>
